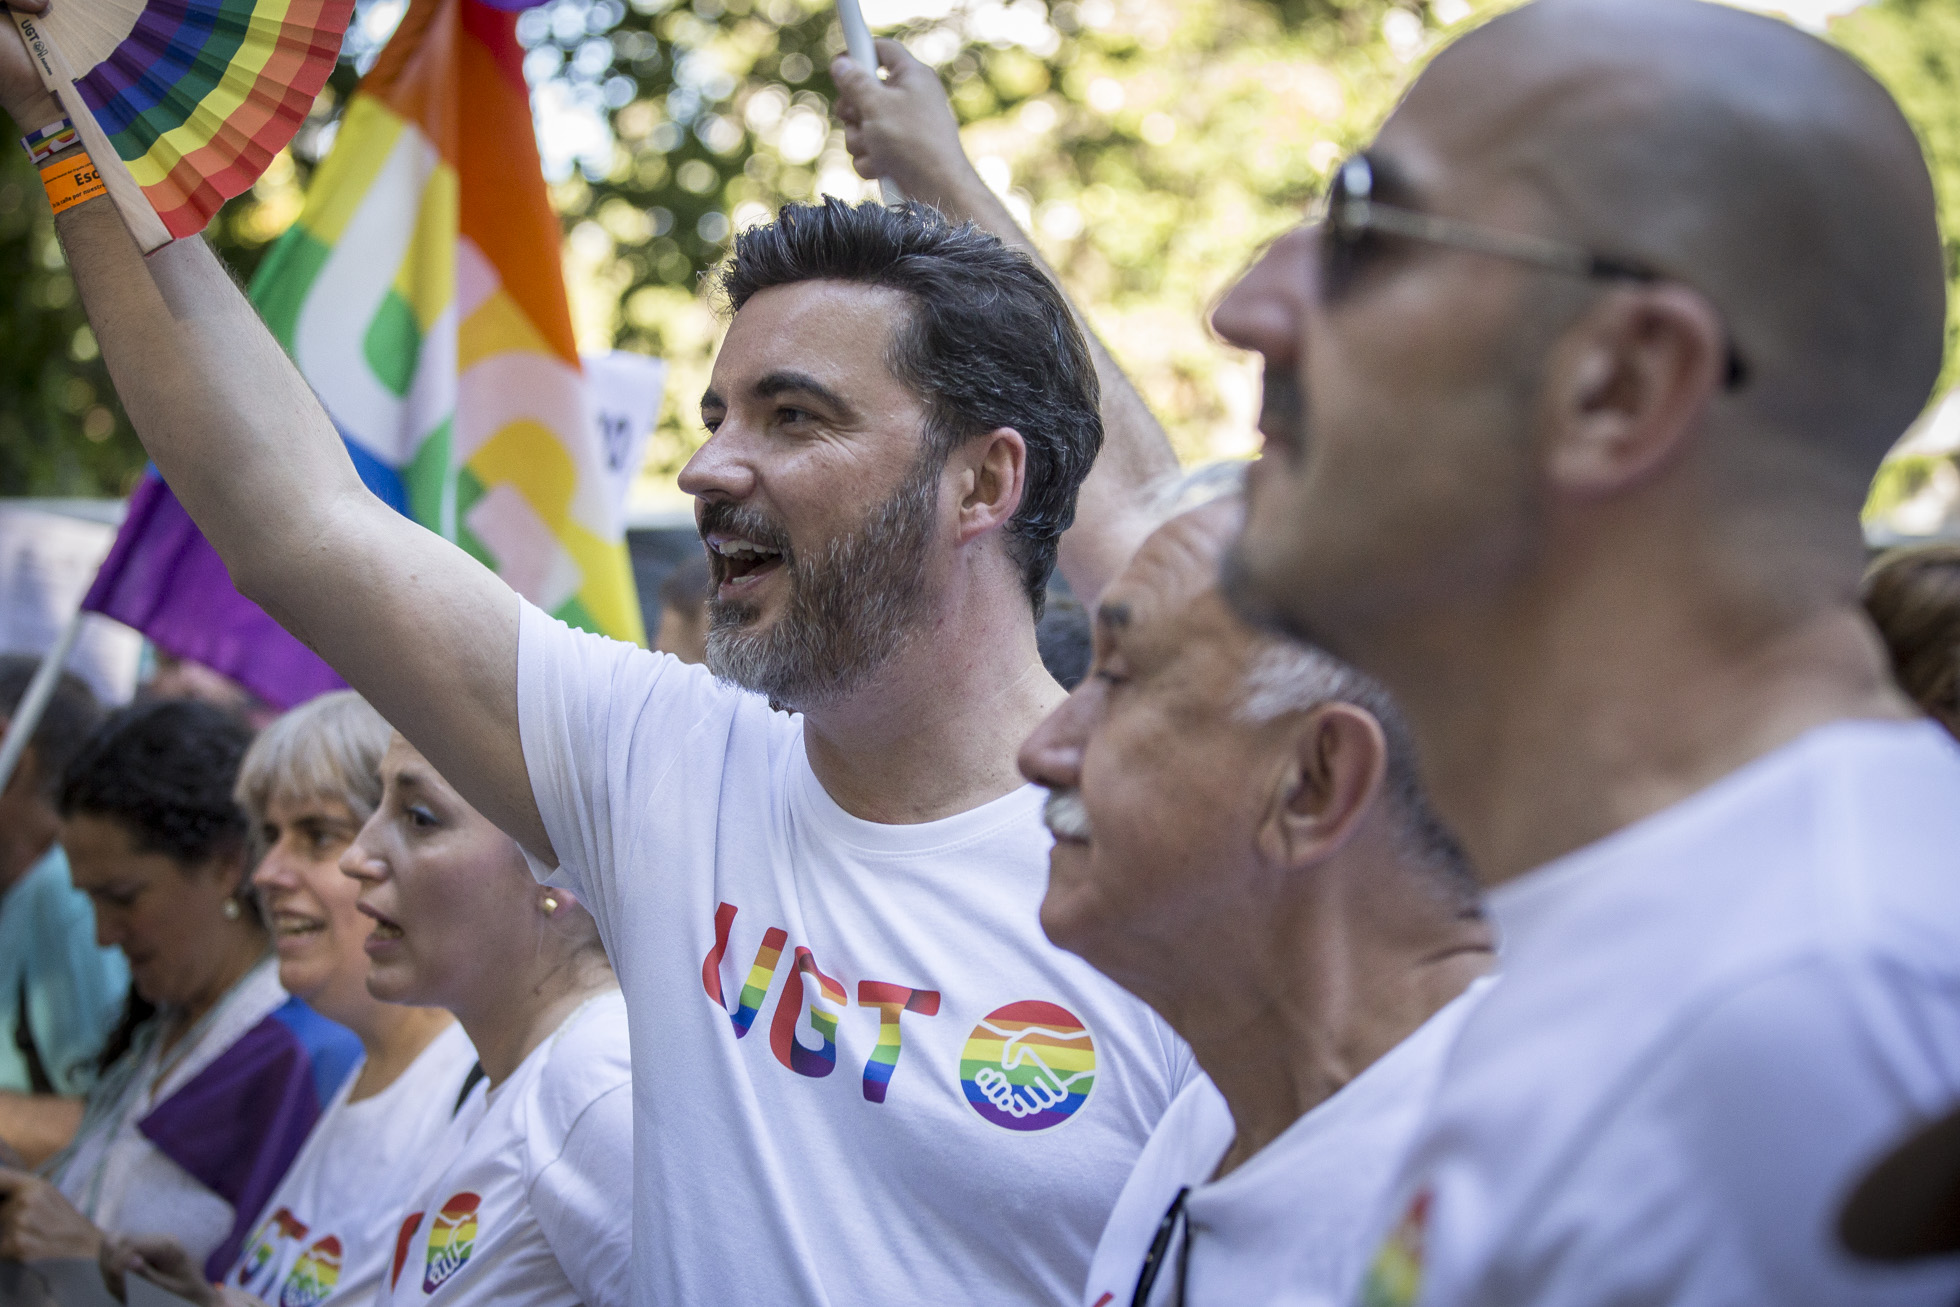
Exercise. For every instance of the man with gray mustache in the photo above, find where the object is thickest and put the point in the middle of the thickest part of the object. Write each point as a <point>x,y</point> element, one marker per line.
<point>861,1073</point>
<point>1240,840</point>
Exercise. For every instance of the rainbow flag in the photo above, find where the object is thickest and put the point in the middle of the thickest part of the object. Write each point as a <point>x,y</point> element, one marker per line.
<point>421,295</point>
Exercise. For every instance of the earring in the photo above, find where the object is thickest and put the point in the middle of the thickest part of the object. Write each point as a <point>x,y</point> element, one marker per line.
<point>550,905</point>
<point>231,909</point>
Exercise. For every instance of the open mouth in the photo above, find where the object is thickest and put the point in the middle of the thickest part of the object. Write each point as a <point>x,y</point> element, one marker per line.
<point>1066,817</point>
<point>740,562</point>
<point>288,925</point>
<point>384,929</point>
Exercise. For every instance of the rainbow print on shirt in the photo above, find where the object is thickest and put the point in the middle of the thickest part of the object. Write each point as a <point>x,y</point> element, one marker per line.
<point>314,1275</point>
<point>452,1238</point>
<point>1395,1279</point>
<point>1028,1066</point>
<point>264,1243</point>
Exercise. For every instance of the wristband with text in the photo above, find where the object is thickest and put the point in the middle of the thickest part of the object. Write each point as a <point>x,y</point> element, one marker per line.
<point>44,143</point>
<point>72,182</point>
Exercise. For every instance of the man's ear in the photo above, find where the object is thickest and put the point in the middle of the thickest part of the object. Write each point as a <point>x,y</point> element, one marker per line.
<point>1628,385</point>
<point>1327,782</point>
<point>993,471</point>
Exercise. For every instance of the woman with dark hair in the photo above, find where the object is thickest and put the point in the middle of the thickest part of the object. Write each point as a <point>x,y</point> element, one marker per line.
<point>217,1076</point>
<point>1913,596</point>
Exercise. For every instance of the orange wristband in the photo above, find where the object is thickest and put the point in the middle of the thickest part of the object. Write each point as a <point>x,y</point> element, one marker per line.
<point>72,182</point>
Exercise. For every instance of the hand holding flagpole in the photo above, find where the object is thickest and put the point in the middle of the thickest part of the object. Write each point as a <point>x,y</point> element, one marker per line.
<point>857,40</point>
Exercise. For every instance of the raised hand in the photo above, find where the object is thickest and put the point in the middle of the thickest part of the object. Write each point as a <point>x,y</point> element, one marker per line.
<point>22,95</point>
<point>902,128</point>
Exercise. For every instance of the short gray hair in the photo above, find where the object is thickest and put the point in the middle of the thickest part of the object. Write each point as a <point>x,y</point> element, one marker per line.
<point>326,750</point>
<point>1285,678</point>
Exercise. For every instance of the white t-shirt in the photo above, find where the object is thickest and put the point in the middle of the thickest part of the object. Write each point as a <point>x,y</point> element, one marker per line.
<point>1292,1223</point>
<point>862,1073</point>
<point>328,1231</point>
<point>1711,1022</point>
<point>525,1198</point>
<point>123,1182</point>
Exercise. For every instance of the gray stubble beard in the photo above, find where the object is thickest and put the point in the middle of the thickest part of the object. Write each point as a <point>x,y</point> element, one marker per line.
<point>851,610</point>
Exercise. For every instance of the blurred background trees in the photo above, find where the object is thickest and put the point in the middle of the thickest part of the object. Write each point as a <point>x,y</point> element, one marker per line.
<point>1150,145</point>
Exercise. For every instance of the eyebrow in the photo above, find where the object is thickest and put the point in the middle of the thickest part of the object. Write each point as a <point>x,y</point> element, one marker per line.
<point>785,382</point>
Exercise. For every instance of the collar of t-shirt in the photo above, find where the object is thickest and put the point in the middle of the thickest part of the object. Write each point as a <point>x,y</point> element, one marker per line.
<point>1530,911</point>
<point>813,804</point>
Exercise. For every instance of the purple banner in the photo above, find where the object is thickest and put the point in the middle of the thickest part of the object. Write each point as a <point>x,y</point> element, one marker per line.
<point>164,578</point>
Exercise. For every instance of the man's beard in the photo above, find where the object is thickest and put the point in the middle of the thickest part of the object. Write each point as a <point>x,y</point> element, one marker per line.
<point>851,608</point>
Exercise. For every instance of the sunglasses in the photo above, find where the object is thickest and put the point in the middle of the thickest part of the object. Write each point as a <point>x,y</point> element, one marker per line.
<point>1355,221</point>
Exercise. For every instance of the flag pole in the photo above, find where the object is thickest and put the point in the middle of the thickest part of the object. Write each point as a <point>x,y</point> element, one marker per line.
<point>27,713</point>
<point>857,40</point>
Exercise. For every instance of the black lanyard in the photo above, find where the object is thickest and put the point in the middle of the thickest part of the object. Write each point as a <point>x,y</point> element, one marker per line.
<point>1160,1246</point>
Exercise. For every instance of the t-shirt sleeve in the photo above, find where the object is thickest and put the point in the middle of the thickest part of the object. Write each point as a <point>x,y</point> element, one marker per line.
<point>598,718</point>
<point>583,1200</point>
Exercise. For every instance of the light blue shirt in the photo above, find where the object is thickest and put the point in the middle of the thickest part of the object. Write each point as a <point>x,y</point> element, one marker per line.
<point>52,975</point>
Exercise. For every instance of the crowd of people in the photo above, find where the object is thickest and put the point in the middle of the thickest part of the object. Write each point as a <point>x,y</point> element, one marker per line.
<point>1498,853</point>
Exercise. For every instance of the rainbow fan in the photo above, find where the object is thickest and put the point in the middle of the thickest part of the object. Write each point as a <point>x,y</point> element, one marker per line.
<point>195,97</point>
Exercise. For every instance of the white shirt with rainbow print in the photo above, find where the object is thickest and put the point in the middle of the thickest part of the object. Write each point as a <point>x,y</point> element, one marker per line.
<point>523,1202</point>
<point>326,1233</point>
<point>862,1075</point>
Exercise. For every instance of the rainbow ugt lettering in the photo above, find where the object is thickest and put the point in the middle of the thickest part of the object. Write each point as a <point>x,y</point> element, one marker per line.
<point>890,1000</point>
<point>815,1062</point>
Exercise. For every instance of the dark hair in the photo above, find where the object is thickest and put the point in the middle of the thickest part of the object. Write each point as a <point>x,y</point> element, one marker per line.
<point>1914,597</point>
<point>990,343</point>
<point>164,771</point>
<point>70,718</point>
<point>1064,639</point>
<point>686,587</point>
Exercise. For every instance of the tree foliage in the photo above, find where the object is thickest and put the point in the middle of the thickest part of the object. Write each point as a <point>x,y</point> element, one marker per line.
<point>1151,145</point>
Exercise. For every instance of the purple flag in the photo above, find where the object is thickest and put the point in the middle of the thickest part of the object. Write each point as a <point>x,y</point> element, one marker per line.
<point>164,578</point>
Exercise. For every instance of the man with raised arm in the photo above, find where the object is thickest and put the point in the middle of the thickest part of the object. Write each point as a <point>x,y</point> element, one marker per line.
<point>861,1073</point>
<point>1572,403</point>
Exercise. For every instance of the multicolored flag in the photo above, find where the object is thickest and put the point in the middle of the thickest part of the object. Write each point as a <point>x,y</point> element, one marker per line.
<point>421,294</point>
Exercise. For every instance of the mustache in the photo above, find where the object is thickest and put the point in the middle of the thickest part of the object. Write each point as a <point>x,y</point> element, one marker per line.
<point>1065,815</point>
<point>1282,405</point>
<point>741,520</point>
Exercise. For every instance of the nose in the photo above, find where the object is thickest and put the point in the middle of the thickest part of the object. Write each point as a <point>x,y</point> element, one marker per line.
<point>275,869</point>
<point>1267,308</point>
<point>1052,756</point>
<point>108,929</point>
<point>356,861</point>
<point>720,469</point>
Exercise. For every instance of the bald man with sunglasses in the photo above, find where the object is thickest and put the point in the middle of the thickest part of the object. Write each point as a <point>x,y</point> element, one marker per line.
<point>1572,403</point>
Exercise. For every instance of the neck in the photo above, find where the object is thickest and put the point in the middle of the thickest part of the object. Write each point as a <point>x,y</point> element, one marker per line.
<point>1299,998</point>
<point>392,1036</point>
<point>509,1026</point>
<point>242,947</point>
<point>1584,708</point>
<point>936,732</point>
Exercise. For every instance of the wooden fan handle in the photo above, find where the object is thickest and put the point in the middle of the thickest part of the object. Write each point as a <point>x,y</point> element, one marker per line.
<point>137,211</point>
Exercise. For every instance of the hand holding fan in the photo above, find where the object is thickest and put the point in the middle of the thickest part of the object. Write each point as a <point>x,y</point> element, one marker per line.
<point>183,103</point>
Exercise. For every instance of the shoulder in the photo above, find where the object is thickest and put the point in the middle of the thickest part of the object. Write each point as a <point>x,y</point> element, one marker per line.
<point>587,1059</point>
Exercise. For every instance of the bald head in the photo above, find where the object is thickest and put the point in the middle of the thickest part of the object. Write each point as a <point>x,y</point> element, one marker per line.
<point>1740,155</point>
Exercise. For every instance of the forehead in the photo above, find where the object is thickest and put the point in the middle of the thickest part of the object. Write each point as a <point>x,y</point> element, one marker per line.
<point>837,332</point>
<point>1166,599</point>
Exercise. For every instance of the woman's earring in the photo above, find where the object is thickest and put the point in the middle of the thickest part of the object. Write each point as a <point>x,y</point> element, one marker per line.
<point>231,908</point>
<point>550,905</point>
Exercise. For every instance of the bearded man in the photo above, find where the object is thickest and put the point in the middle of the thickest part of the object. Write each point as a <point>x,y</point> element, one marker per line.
<point>861,1073</point>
